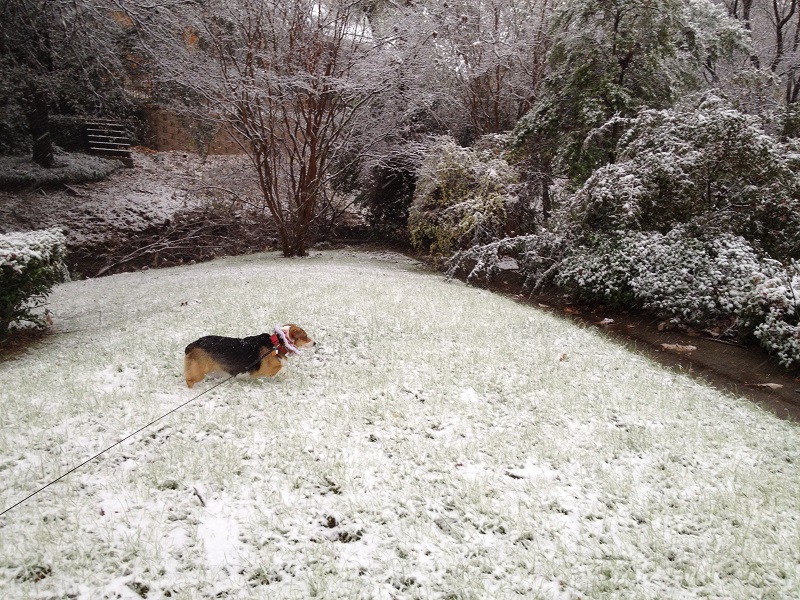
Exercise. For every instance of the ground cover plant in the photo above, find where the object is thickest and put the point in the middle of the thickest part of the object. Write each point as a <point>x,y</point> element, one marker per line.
<point>715,283</point>
<point>439,442</point>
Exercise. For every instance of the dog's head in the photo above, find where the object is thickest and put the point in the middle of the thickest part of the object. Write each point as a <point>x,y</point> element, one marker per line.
<point>297,336</point>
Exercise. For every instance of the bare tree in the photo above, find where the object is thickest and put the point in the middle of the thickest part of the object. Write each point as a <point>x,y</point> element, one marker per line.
<point>497,51</point>
<point>742,10</point>
<point>775,29</point>
<point>785,19</point>
<point>290,80</point>
<point>487,58</point>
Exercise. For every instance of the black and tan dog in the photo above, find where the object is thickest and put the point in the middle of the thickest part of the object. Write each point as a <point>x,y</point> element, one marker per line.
<point>259,355</point>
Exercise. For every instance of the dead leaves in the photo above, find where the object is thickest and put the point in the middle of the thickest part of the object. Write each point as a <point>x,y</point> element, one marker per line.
<point>678,348</point>
<point>769,386</point>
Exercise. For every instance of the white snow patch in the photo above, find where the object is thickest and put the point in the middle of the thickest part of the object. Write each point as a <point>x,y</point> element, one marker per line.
<point>219,535</point>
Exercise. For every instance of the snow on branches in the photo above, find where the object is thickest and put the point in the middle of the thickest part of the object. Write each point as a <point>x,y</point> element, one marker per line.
<point>704,163</point>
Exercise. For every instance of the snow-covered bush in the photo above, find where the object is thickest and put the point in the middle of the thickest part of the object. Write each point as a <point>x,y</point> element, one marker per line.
<point>704,163</point>
<point>462,196</point>
<point>30,264</point>
<point>537,258</point>
<point>604,271</point>
<point>779,333</point>
<point>713,281</point>
<point>780,338</point>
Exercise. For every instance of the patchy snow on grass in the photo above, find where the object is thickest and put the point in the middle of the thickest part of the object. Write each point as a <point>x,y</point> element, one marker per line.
<point>438,442</point>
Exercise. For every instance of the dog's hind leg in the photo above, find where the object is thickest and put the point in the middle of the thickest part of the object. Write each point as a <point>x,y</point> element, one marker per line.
<point>196,365</point>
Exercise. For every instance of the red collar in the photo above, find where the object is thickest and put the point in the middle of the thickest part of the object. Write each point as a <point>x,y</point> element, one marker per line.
<point>277,344</point>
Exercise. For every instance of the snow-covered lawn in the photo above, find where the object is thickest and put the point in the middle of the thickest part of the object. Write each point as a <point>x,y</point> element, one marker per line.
<point>439,442</point>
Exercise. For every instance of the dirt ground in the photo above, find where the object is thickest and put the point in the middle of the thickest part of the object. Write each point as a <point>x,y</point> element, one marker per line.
<point>135,203</point>
<point>130,200</point>
<point>170,208</point>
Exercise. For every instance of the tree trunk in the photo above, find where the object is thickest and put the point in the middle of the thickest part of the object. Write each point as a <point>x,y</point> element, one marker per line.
<point>38,115</point>
<point>295,245</point>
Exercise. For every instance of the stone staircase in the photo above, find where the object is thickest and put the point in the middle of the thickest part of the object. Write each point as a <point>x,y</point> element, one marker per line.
<point>109,139</point>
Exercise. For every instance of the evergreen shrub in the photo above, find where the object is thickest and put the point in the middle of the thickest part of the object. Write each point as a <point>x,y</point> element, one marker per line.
<point>717,282</point>
<point>31,263</point>
<point>462,196</point>
<point>704,163</point>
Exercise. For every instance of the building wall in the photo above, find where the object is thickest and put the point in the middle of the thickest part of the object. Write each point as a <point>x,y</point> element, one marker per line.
<point>169,131</point>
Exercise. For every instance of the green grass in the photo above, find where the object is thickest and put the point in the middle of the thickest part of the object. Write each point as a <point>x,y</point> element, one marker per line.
<point>439,442</point>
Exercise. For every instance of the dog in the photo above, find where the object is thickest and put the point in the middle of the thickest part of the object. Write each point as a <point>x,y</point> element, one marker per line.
<point>261,355</point>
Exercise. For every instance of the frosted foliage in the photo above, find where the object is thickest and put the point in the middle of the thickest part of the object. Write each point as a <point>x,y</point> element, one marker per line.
<point>18,249</point>
<point>30,264</point>
<point>780,338</point>
<point>537,257</point>
<point>716,282</point>
<point>705,163</point>
<point>462,196</point>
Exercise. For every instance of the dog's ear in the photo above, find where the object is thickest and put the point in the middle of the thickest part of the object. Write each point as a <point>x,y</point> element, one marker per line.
<point>299,337</point>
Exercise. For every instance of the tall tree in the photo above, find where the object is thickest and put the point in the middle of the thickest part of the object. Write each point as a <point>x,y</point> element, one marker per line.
<point>612,58</point>
<point>784,17</point>
<point>743,11</point>
<point>481,60</point>
<point>491,55</point>
<point>775,29</point>
<point>463,68</point>
<point>57,53</point>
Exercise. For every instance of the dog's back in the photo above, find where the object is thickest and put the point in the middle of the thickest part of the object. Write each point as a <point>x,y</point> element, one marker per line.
<point>232,355</point>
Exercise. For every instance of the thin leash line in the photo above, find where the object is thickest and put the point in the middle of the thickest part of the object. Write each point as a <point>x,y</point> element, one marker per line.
<point>126,438</point>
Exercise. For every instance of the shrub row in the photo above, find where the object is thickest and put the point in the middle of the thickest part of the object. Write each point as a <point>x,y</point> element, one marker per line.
<point>717,283</point>
<point>697,221</point>
<point>713,282</point>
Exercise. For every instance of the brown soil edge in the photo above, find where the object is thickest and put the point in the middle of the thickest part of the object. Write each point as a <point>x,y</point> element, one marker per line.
<point>731,368</point>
